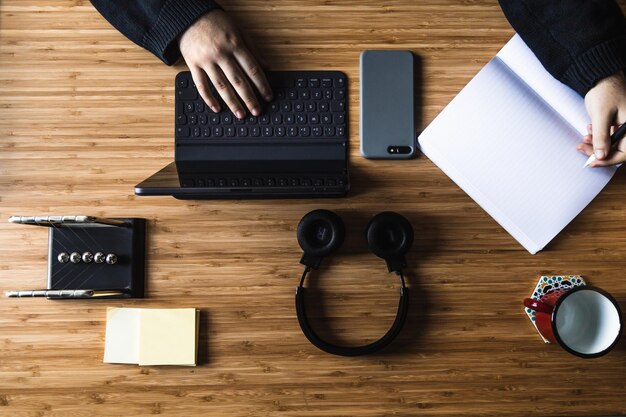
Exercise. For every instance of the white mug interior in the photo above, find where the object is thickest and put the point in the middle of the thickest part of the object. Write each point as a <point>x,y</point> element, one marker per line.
<point>587,322</point>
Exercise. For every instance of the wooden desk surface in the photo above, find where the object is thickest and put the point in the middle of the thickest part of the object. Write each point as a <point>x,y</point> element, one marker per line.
<point>85,115</point>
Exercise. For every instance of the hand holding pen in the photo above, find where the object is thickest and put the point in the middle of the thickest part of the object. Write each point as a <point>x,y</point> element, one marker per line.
<point>606,104</point>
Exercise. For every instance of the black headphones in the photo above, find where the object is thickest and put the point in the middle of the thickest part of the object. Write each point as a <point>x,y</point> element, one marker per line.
<point>389,236</point>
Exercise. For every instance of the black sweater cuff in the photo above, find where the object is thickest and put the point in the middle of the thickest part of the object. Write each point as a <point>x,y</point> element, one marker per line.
<point>595,64</point>
<point>174,18</point>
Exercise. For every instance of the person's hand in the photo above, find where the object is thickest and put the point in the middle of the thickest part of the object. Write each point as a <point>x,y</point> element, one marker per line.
<point>213,47</point>
<point>606,105</point>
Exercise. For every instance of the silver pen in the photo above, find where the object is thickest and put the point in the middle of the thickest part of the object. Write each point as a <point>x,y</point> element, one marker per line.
<point>65,293</point>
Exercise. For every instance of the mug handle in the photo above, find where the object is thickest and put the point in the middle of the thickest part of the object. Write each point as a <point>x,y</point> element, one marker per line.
<point>538,306</point>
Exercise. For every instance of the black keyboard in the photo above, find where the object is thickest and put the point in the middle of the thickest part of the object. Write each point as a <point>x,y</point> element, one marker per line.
<point>306,105</point>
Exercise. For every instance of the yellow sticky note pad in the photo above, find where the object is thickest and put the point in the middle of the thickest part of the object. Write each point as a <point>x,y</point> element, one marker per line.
<point>168,336</point>
<point>159,336</point>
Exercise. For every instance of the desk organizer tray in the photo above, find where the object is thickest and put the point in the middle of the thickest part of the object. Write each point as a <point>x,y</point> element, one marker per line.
<point>91,257</point>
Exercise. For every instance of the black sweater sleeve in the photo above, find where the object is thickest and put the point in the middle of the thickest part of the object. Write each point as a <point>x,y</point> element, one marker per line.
<point>578,41</point>
<point>154,24</point>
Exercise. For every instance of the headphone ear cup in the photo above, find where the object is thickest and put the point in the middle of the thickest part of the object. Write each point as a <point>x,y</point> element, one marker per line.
<point>320,232</point>
<point>389,235</point>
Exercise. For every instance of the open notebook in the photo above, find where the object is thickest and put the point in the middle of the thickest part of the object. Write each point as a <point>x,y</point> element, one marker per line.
<point>508,139</point>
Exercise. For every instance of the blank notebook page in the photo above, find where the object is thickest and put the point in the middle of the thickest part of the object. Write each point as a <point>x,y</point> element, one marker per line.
<point>514,155</point>
<point>519,58</point>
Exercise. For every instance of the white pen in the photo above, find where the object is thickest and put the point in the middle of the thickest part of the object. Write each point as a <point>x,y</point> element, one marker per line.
<point>617,135</point>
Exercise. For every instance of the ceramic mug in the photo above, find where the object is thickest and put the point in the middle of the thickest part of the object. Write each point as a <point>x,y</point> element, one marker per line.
<point>586,321</point>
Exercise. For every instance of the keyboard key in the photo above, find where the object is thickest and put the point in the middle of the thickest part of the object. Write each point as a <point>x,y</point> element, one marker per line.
<point>242,131</point>
<point>326,119</point>
<point>182,131</point>
<point>336,106</point>
<point>339,118</point>
<point>199,107</point>
<point>340,82</point>
<point>340,94</point>
<point>255,131</point>
<point>314,119</point>
<point>229,131</point>
<point>189,107</point>
<point>314,82</point>
<point>292,131</point>
<point>294,182</point>
<point>221,182</point>
<point>305,182</point>
<point>316,131</point>
<point>327,82</point>
<point>280,131</point>
<point>328,94</point>
<point>181,119</point>
<point>331,182</point>
<point>268,131</point>
<point>206,132</point>
<point>187,93</point>
<point>318,182</point>
<point>203,119</point>
<point>298,106</point>
<point>274,107</point>
<point>329,131</point>
<point>245,182</point>
<point>200,182</point>
<point>292,94</point>
<point>277,119</point>
<point>283,182</point>
<point>301,119</point>
<point>305,131</point>
<point>251,120</point>
<point>271,182</point>
<point>257,182</point>
<point>218,131</point>
<point>239,121</point>
<point>196,132</point>
<point>323,106</point>
<point>264,120</point>
<point>311,106</point>
<point>215,119</point>
<point>285,106</point>
<point>193,119</point>
<point>316,94</point>
<point>301,83</point>
<point>305,94</point>
<point>182,82</point>
<point>227,119</point>
<point>289,119</point>
<point>233,182</point>
<point>341,131</point>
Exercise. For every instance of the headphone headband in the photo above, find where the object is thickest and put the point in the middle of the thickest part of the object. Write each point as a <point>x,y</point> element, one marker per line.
<point>394,330</point>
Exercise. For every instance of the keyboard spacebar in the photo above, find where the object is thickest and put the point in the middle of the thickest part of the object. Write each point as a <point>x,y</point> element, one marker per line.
<point>262,151</point>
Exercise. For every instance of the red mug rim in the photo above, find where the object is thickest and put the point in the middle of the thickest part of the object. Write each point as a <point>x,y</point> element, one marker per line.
<point>556,333</point>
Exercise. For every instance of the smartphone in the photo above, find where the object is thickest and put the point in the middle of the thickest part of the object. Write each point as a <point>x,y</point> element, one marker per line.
<point>387,105</point>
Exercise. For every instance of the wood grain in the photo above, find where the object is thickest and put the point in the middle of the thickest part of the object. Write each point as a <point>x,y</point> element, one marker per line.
<point>85,115</point>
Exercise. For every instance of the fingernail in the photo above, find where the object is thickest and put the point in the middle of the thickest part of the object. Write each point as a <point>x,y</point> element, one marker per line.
<point>240,114</point>
<point>256,111</point>
<point>599,153</point>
